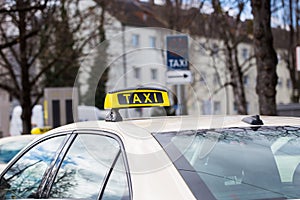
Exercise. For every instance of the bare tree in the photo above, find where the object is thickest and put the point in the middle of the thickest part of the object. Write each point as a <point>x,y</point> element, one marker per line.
<point>21,24</point>
<point>290,18</point>
<point>266,57</point>
<point>32,46</point>
<point>232,32</point>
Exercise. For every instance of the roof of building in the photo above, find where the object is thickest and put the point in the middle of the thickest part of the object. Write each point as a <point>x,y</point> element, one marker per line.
<point>144,14</point>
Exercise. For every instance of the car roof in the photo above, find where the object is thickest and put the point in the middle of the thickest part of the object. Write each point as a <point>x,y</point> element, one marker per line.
<point>136,134</point>
<point>176,123</point>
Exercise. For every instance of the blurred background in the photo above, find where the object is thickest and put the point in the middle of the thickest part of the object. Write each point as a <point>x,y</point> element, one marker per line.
<point>58,58</point>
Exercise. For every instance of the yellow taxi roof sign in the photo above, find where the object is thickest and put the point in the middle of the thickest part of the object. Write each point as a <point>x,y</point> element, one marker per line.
<point>40,130</point>
<point>139,97</point>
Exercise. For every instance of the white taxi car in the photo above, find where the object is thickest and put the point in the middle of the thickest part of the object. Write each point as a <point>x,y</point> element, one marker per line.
<point>182,157</point>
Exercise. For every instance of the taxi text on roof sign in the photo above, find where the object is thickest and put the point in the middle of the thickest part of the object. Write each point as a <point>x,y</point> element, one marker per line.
<point>140,97</point>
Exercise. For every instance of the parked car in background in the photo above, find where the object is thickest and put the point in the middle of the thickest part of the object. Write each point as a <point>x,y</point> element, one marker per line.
<point>10,146</point>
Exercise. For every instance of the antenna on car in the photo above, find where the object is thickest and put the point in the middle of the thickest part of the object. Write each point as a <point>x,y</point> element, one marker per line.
<point>253,120</point>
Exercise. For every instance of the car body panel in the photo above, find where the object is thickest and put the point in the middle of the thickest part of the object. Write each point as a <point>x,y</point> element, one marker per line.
<point>152,173</point>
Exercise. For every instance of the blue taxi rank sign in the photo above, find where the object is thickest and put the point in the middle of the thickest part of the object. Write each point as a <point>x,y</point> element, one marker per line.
<point>177,52</point>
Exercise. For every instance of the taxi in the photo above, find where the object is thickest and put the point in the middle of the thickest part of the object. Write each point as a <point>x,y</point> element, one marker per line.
<point>180,157</point>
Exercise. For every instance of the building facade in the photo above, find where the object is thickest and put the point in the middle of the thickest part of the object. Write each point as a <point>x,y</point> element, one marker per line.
<point>137,57</point>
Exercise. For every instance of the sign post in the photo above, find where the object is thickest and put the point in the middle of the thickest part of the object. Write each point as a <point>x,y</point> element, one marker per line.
<point>297,75</point>
<point>298,58</point>
<point>178,72</point>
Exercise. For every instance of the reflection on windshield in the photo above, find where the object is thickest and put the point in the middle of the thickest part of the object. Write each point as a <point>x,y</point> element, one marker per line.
<point>23,178</point>
<point>10,149</point>
<point>241,163</point>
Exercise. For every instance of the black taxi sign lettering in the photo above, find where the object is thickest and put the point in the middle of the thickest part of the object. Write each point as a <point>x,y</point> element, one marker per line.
<point>141,97</point>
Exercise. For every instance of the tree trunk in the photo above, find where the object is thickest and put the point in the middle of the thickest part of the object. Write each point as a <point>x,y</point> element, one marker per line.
<point>266,58</point>
<point>25,99</point>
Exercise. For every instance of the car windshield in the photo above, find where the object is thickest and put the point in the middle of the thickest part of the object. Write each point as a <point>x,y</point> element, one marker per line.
<point>237,163</point>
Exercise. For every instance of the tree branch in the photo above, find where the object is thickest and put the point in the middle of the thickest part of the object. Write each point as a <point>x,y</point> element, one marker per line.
<point>25,9</point>
<point>16,40</point>
<point>247,61</point>
<point>13,51</point>
<point>10,70</point>
<point>10,90</point>
<point>221,87</point>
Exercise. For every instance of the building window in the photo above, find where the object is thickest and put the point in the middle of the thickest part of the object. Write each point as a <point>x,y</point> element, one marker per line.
<point>245,54</point>
<point>202,48</point>
<point>154,74</point>
<point>135,40</point>
<point>289,83</point>
<point>215,49</point>
<point>145,16</point>
<point>215,79</point>
<point>235,107</point>
<point>279,82</point>
<point>152,41</point>
<point>206,107</point>
<point>202,45</point>
<point>137,73</point>
<point>202,77</point>
<point>246,80</point>
<point>217,107</point>
<point>278,57</point>
<point>247,106</point>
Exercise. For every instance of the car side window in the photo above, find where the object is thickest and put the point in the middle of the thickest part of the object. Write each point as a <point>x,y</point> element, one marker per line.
<point>117,185</point>
<point>10,149</point>
<point>25,175</point>
<point>87,167</point>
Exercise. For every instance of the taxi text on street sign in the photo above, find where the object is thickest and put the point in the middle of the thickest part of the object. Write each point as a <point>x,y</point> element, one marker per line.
<point>140,97</point>
<point>177,52</point>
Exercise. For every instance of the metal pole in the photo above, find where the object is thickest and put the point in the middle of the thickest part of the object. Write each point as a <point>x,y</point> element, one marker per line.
<point>124,56</point>
<point>298,85</point>
<point>124,62</point>
<point>179,100</point>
